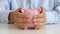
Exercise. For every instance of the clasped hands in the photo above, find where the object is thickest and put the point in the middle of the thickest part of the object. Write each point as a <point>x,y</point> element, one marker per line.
<point>20,19</point>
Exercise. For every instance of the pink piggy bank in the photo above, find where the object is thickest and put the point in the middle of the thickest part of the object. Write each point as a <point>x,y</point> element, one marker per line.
<point>30,13</point>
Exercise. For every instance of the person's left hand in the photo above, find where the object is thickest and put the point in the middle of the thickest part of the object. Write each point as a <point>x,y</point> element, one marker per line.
<point>40,19</point>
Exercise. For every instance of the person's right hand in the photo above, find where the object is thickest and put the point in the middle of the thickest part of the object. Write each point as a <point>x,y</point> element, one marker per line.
<point>18,18</point>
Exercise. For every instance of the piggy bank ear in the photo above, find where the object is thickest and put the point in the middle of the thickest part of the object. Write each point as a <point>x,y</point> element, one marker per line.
<point>40,9</point>
<point>19,9</point>
<point>23,10</point>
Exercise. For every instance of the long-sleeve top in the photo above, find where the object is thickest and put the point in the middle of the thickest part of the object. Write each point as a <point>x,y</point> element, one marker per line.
<point>51,7</point>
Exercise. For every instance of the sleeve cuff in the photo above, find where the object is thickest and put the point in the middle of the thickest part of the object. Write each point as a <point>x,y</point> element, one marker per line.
<point>4,17</point>
<point>50,16</point>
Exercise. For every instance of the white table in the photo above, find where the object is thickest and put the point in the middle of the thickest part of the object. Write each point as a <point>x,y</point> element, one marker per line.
<point>12,29</point>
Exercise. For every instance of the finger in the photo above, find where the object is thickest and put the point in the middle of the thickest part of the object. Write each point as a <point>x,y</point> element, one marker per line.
<point>20,20</point>
<point>39,16</point>
<point>20,25</point>
<point>20,15</point>
<point>40,20</point>
<point>39,25</point>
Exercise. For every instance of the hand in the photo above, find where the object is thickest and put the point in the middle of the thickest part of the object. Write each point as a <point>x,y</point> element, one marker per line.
<point>18,18</point>
<point>40,19</point>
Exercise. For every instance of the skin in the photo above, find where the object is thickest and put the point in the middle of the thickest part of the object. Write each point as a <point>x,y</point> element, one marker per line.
<point>40,19</point>
<point>16,16</point>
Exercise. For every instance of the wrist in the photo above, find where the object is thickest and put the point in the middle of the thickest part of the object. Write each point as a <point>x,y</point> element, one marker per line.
<point>11,17</point>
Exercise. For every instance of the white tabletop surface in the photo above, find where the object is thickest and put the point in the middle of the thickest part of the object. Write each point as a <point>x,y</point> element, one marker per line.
<point>12,29</point>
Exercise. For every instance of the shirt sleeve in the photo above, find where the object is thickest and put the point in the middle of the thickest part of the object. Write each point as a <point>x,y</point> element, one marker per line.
<point>13,5</point>
<point>50,16</point>
<point>4,11</point>
<point>57,9</point>
<point>4,16</point>
<point>53,16</point>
